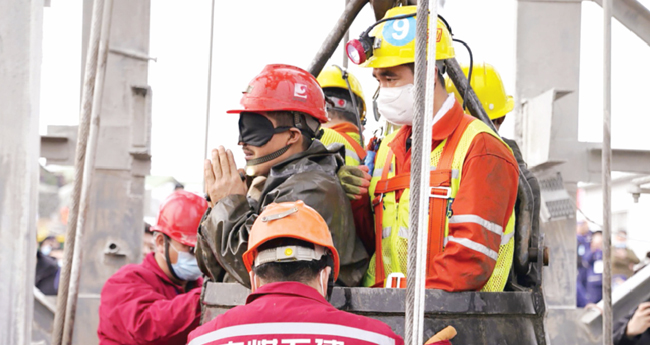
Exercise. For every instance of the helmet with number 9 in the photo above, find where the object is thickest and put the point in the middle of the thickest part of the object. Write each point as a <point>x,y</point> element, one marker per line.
<point>394,40</point>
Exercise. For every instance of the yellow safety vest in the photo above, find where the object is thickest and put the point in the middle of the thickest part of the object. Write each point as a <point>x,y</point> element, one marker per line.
<point>393,229</point>
<point>353,149</point>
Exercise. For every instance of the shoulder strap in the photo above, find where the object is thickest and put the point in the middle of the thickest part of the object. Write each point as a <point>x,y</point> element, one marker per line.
<point>355,145</point>
<point>447,157</point>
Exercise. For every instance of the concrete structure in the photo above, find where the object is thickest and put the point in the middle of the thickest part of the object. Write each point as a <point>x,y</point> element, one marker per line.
<point>21,32</point>
<point>547,88</point>
<point>113,237</point>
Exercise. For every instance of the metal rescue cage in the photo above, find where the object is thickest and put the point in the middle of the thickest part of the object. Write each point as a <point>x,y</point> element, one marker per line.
<point>479,317</point>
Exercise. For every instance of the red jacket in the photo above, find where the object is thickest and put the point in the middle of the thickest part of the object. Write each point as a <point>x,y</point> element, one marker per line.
<point>141,305</point>
<point>488,189</point>
<point>291,313</point>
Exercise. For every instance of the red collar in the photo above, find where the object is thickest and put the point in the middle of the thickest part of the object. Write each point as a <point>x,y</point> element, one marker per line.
<point>287,288</point>
<point>439,132</point>
<point>150,263</point>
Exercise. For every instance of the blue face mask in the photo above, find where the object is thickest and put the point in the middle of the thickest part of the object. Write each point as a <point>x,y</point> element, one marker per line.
<point>186,267</point>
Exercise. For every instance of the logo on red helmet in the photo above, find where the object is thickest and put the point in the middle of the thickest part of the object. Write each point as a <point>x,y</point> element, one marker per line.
<point>300,90</point>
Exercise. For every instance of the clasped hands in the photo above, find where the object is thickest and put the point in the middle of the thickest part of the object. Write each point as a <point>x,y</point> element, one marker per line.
<point>221,176</point>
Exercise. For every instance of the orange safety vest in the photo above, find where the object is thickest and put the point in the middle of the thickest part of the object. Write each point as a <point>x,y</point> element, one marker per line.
<point>444,183</point>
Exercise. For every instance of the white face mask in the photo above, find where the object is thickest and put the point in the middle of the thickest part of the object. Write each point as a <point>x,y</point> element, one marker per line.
<point>396,104</point>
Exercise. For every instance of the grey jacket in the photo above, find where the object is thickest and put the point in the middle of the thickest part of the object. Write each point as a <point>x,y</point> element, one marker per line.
<point>309,176</point>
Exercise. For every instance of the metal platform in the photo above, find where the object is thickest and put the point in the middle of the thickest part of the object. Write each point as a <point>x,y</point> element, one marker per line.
<point>479,317</point>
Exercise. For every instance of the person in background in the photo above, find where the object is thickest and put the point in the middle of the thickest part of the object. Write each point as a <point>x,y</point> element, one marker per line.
<point>594,281</point>
<point>148,245</point>
<point>584,239</point>
<point>47,274</point>
<point>51,246</point>
<point>623,258</point>
<point>157,301</point>
<point>345,106</point>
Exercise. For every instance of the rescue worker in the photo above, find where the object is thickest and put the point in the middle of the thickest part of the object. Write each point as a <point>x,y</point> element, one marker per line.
<point>283,108</point>
<point>157,301</point>
<point>340,88</point>
<point>291,261</point>
<point>473,185</point>
<point>488,86</point>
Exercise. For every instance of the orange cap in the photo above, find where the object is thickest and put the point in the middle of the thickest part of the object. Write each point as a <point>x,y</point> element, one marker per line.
<point>289,220</point>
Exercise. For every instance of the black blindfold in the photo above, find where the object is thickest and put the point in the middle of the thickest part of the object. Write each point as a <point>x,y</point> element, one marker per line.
<point>256,130</point>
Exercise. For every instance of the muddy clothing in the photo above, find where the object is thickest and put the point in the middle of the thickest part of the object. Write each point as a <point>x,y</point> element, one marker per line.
<point>141,305</point>
<point>309,176</point>
<point>295,314</point>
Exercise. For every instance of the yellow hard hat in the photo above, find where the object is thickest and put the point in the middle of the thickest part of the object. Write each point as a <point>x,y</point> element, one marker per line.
<point>394,42</point>
<point>332,76</point>
<point>488,86</point>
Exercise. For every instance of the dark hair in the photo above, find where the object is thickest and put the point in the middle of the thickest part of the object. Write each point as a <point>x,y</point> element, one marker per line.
<point>292,271</point>
<point>147,228</point>
<point>287,119</point>
<point>339,114</point>
<point>441,78</point>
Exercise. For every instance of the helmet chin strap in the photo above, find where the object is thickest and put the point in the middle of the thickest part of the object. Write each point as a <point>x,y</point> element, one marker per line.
<point>269,157</point>
<point>169,265</point>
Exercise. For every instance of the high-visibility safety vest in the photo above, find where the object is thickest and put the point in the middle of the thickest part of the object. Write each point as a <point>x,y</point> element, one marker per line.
<point>392,218</point>
<point>354,152</point>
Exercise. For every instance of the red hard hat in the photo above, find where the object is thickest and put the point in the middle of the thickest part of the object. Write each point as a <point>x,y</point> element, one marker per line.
<point>180,215</point>
<point>284,87</point>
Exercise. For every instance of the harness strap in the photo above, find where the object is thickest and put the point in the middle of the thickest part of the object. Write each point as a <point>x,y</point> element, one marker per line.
<point>440,193</point>
<point>355,145</point>
<point>378,206</point>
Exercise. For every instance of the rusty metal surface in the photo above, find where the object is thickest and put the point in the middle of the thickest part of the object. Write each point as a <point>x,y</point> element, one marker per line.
<point>480,317</point>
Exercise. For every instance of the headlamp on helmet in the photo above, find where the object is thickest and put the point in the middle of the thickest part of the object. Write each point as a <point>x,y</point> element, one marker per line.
<point>361,49</point>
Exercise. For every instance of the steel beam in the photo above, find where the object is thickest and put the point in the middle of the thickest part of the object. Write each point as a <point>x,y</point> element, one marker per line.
<point>21,36</point>
<point>632,161</point>
<point>633,15</point>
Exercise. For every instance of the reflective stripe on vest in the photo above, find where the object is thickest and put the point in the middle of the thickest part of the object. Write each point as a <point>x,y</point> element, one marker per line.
<point>392,213</point>
<point>354,153</point>
<point>292,329</point>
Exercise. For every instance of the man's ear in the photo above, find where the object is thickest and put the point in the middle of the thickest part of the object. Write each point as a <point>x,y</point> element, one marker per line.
<point>159,242</point>
<point>295,135</point>
<point>254,281</point>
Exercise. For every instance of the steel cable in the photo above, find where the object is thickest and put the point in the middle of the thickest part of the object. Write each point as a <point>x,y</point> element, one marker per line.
<point>80,158</point>
<point>419,199</point>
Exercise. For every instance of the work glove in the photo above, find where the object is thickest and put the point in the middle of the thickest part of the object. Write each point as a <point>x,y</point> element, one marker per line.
<point>442,337</point>
<point>355,181</point>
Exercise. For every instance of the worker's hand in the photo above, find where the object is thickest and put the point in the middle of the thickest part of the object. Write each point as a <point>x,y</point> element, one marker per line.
<point>640,321</point>
<point>443,336</point>
<point>221,176</point>
<point>354,180</point>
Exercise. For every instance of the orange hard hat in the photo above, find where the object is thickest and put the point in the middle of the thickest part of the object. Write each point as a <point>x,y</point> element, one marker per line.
<point>180,215</point>
<point>290,220</point>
